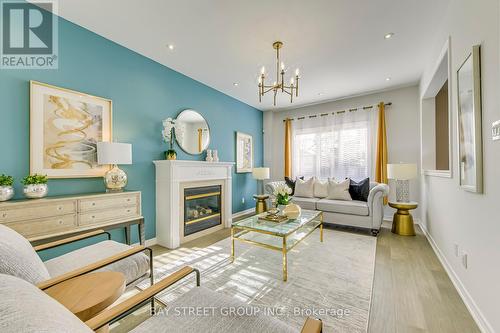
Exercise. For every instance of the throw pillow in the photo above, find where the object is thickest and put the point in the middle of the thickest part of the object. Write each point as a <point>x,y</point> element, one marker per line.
<point>320,188</point>
<point>304,188</point>
<point>339,191</point>
<point>291,183</point>
<point>359,190</point>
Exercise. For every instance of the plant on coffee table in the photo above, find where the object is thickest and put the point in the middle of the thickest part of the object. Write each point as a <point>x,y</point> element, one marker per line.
<point>282,193</point>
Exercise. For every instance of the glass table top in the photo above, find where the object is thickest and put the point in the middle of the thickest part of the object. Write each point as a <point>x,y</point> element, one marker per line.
<point>282,228</point>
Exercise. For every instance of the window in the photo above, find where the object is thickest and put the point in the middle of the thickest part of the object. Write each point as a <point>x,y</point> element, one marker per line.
<point>338,148</point>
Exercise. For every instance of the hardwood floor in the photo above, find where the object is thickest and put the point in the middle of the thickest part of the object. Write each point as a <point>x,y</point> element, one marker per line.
<point>411,290</point>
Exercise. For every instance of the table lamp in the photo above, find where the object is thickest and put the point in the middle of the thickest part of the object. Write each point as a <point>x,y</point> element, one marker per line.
<point>261,174</point>
<point>114,153</point>
<point>402,173</point>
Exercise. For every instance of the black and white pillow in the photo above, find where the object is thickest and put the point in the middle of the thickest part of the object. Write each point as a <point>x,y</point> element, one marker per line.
<point>291,183</point>
<point>359,190</point>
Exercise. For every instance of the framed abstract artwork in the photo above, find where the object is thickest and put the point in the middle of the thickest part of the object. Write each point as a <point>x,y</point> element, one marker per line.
<point>65,126</point>
<point>244,152</point>
<point>469,123</point>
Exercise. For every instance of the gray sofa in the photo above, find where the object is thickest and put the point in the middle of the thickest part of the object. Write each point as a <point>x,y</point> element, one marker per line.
<point>359,214</point>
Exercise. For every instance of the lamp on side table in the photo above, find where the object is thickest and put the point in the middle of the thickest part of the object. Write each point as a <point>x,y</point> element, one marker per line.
<point>402,223</point>
<point>260,174</point>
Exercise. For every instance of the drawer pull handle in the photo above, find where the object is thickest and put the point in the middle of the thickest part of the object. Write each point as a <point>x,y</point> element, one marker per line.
<point>93,216</point>
<point>93,204</point>
<point>4,215</point>
<point>128,210</point>
<point>128,199</point>
<point>59,208</point>
<point>60,221</point>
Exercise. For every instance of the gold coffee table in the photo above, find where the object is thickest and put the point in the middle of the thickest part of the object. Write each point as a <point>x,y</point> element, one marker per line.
<point>280,237</point>
<point>402,223</point>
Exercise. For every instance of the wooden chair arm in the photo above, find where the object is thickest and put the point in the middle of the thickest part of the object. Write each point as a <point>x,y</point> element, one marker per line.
<point>130,304</point>
<point>70,240</point>
<point>92,267</point>
<point>312,326</point>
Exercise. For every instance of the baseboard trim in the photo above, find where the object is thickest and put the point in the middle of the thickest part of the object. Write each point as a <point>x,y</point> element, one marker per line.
<point>243,212</point>
<point>474,310</point>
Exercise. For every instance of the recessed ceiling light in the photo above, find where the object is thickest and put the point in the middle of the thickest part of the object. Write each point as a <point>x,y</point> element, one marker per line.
<point>171,47</point>
<point>235,84</point>
<point>388,79</point>
<point>389,35</point>
<point>321,94</point>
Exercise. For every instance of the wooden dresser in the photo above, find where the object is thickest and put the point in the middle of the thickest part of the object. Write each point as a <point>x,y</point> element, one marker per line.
<point>47,219</point>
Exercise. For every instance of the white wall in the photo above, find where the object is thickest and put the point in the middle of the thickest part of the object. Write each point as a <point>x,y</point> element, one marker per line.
<point>402,121</point>
<point>454,216</point>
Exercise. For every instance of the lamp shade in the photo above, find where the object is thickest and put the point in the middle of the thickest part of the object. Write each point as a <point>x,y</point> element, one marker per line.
<point>402,171</point>
<point>114,153</point>
<point>260,173</point>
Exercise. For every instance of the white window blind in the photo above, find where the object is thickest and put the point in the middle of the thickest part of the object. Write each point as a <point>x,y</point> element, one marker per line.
<point>336,146</point>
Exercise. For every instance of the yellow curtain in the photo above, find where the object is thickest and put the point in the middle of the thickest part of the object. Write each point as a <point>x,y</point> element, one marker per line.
<point>288,147</point>
<point>381,162</point>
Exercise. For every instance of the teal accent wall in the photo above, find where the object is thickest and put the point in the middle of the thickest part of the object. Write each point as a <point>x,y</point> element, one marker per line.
<point>143,93</point>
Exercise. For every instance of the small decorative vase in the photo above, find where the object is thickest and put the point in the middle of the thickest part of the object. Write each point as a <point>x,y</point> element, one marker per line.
<point>170,154</point>
<point>6,193</point>
<point>209,157</point>
<point>292,211</point>
<point>35,191</point>
<point>215,156</point>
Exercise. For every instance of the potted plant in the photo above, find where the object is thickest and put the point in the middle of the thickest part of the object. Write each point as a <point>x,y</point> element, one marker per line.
<point>6,189</point>
<point>282,193</point>
<point>168,136</point>
<point>35,186</point>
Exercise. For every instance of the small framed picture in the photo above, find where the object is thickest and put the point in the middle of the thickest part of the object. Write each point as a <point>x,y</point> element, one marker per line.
<point>244,152</point>
<point>65,126</point>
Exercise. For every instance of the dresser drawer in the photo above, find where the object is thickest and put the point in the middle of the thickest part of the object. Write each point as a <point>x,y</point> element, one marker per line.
<point>34,211</point>
<point>44,225</point>
<point>111,201</point>
<point>110,215</point>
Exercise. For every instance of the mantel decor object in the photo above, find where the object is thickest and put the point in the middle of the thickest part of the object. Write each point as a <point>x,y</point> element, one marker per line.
<point>114,153</point>
<point>402,173</point>
<point>168,136</point>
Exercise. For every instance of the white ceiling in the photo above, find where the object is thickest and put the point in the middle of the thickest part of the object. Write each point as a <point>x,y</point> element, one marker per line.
<point>339,45</point>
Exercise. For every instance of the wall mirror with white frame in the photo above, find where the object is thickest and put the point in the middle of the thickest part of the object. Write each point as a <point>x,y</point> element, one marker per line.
<point>436,119</point>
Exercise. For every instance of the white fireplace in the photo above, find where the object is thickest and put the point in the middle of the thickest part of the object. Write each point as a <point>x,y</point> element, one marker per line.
<point>193,198</point>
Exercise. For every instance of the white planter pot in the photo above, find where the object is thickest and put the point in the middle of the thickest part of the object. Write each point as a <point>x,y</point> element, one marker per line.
<point>35,191</point>
<point>6,193</point>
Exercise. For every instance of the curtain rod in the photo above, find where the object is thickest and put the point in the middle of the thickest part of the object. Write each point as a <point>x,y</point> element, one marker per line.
<point>334,112</point>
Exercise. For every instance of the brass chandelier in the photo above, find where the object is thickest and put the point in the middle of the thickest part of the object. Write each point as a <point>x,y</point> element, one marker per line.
<point>279,84</point>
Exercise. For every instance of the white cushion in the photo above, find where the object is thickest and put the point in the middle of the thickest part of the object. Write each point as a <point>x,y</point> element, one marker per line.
<point>305,203</point>
<point>18,258</point>
<point>339,191</point>
<point>320,188</point>
<point>304,188</point>
<point>132,267</point>
<point>353,207</point>
<point>25,308</point>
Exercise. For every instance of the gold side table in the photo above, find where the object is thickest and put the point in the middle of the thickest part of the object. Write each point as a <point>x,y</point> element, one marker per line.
<point>260,205</point>
<point>402,223</point>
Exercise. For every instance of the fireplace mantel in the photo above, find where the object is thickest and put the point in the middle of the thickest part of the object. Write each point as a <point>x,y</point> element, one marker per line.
<point>170,175</point>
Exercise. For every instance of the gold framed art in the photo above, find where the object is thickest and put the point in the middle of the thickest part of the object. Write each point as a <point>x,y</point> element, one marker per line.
<point>65,126</point>
<point>244,152</point>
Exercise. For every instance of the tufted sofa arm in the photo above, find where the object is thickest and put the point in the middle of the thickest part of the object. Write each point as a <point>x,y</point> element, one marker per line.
<point>271,186</point>
<point>376,203</point>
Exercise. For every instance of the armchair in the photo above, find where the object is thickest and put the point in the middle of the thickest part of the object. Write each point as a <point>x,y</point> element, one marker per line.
<point>19,258</point>
<point>25,308</point>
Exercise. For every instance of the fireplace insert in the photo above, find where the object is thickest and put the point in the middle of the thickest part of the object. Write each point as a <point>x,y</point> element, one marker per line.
<point>202,208</point>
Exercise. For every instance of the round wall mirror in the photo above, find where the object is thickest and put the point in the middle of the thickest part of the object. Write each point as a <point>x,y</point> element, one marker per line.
<point>192,132</point>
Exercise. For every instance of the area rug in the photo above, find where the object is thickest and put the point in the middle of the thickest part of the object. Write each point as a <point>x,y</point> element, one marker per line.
<point>330,280</point>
